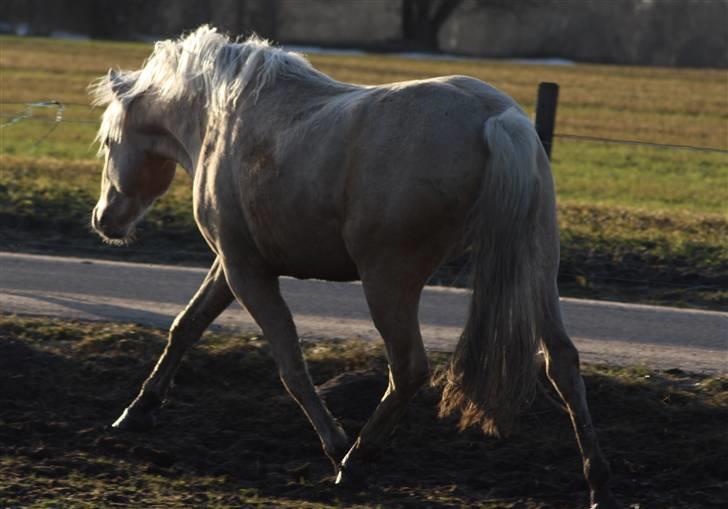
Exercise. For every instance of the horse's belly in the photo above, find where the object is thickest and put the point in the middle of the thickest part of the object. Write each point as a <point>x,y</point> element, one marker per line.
<point>293,216</point>
<point>315,257</point>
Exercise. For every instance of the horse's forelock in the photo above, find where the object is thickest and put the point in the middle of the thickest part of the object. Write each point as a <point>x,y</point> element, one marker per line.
<point>112,91</point>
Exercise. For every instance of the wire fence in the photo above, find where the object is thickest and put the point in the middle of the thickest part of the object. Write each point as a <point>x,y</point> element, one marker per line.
<point>580,137</point>
<point>14,119</point>
<point>28,109</point>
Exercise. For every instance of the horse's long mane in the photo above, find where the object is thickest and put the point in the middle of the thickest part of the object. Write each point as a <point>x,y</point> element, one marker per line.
<point>203,64</point>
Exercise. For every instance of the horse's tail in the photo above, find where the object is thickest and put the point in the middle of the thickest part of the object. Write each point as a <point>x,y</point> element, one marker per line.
<point>492,374</point>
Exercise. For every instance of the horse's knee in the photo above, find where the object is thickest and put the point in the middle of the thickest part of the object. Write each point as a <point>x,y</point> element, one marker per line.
<point>409,380</point>
<point>294,379</point>
<point>185,331</point>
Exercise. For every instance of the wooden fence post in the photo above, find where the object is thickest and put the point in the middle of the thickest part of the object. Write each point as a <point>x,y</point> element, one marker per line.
<point>548,97</point>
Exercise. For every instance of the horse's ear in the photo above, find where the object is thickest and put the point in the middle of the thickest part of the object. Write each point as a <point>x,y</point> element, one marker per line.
<point>119,84</point>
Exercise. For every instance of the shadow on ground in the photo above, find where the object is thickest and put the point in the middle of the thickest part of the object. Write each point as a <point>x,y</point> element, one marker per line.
<point>230,435</point>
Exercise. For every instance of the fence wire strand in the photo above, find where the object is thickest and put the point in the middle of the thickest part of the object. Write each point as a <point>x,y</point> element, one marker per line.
<point>28,115</point>
<point>580,137</point>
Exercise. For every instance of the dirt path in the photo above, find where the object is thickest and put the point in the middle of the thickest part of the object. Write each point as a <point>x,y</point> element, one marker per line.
<point>605,332</point>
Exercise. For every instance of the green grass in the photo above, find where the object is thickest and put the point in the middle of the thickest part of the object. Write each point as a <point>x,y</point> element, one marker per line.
<point>641,178</point>
<point>230,436</point>
<point>638,223</point>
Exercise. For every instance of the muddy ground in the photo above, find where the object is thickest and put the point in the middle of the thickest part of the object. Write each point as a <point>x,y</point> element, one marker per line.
<point>229,436</point>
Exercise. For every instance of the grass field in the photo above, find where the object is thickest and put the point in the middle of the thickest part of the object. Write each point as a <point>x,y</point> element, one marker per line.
<point>638,223</point>
<point>229,436</point>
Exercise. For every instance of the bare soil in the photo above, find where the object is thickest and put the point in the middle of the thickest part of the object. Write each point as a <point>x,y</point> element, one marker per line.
<point>229,435</point>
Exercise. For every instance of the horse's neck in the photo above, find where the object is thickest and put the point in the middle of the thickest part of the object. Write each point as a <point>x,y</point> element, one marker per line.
<point>186,124</point>
<point>271,110</point>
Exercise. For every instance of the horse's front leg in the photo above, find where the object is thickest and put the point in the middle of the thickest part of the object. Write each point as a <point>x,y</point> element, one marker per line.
<point>210,300</point>
<point>260,294</point>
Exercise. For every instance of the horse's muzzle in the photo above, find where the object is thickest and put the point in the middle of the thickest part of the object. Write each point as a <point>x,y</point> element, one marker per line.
<point>106,227</point>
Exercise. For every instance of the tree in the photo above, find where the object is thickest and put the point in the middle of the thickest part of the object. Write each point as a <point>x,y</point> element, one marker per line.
<point>422,20</point>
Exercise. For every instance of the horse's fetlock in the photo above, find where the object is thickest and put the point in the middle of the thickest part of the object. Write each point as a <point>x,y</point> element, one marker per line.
<point>147,401</point>
<point>420,375</point>
<point>417,376</point>
<point>596,471</point>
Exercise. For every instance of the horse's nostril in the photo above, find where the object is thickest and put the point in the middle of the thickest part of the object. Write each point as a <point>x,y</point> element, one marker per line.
<point>100,221</point>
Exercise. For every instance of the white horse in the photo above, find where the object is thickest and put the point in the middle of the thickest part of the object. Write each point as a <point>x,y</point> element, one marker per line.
<point>301,175</point>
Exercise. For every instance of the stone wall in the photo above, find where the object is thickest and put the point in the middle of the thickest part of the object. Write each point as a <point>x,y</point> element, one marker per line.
<point>140,19</point>
<point>370,22</point>
<point>646,32</point>
<point>643,32</point>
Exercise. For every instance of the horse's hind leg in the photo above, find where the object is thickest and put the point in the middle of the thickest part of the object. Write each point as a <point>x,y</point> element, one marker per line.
<point>393,299</point>
<point>562,369</point>
<point>210,300</point>
<point>260,294</point>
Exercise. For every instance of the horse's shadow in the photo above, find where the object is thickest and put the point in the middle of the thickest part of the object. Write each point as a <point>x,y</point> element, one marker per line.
<point>104,310</point>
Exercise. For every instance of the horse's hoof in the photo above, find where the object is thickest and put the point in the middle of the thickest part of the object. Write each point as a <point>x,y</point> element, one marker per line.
<point>345,479</point>
<point>134,421</point>
<point>338,453</point>
<point>605,500</point>
<point>336,458</point>
<point>353,475</point>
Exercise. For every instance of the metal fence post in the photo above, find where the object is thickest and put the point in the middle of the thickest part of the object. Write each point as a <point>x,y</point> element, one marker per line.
<point>548,97</point>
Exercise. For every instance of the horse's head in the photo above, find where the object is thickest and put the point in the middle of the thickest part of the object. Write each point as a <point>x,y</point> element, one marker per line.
<point>139,165</point>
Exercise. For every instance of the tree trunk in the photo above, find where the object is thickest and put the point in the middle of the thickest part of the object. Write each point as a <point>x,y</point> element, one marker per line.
<point>422,20</point>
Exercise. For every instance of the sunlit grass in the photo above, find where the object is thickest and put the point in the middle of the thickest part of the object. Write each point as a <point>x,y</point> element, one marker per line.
<point>641,177</point>
<point>685,106</point>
